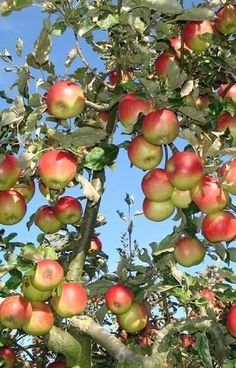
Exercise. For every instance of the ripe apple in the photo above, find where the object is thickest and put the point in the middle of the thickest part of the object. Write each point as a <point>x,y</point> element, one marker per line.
<point>181,198</point>
<point>72,301</point>
<point>184,170</point>
<point>9,357</point>
<point>15,311</point>
<point>41,320</point>
<point>13,207</point>
<point>143,154</point>
<point>135,319</point>
<point>225,121</point>
<point>165,63</point>
<point>189,251</point>
<point>57,168</point>
<point>231,320</point>
<point>193,34</point>
<point>65,100</point>
<point>25,186</point>
<point>33,294</point>
<point>145,341</point>
<point>46,220</point>
<point>125,76</point>
<point>95,245</point>
<point>158,211</point>
<point>160,127</point>
<point>231,93</point>
<point>156,186</point>
<point>176,44</point>
<point>209,196</point>
<point>48,274</point>
<point>228,172</point>
<point>186,340</point>
<point>9,172</point>
<point>57,364</point>
<point>130,106</point>
<point>208,295</point>
<point>68,210</point>
<point>103,116</point>
<point>225,21</point>
<point>219,226</point>
<point>119,299</point>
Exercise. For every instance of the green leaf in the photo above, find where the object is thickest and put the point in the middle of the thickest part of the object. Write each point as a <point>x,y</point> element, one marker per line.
<point>196,13</point>
<point>19,46</point>
<point>22,82</point>
<point>232,254</point>
<point>15,280</point>
<point>49,252</point>
<point>204,350</point>
<point>101,156</point>
<point>162,6</point>
<point>231,364</point>
<point>20,4</point>
<point>166,245</point>
<point>144,257</point>
<point>35,100</point>
<point>87,136</point>
<point>58,28</point>
<point>70,58</point>
<point>43,47</point>
<point>98,288</point>
<point>108,22</point>
<point>100,314</point>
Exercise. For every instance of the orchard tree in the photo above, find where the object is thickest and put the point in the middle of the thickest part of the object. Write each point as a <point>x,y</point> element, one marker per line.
<point>167,77</point>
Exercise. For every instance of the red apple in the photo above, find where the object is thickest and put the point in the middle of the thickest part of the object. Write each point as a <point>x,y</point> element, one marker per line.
<point>160,127</point>
<point>225,21</point>
<point>231,320</point>
<point>41,320</point>
<point>231,93</point>
<point>176,44</point>
<point>15,311</point>
<point>219,226</point>
<point>104,116</point>
<point>48,275</point>
<point>25,186</point>
<point>228,172</point>
<point>44,189</point>
<point>181,198</point>
<point>184,170</point>
<point>130,106</point>
<point>145,341</point>
<point>72,301</point>
<point>135,319</point>
<point>193,34</point>
<point>189,251</point>
<point>57,168</point>
<point>125,76</point>
<point>65,100</point>
<point>186,340</point>
<point>9,172</point>
<point>95,245</point>
<point>57,364</point>
<point>208,295</point>
<point>119,299</point>
<point>68,210</point>
<point>143,154</point>
<point>225,121</point>
<point>12,207</point>
<point>209,196</point>
<point>165,63</point>
<point>8,356</point>
<point>46,220</point>
<point>156,186</point>
<point>33,294</point>
<point>158,211</point>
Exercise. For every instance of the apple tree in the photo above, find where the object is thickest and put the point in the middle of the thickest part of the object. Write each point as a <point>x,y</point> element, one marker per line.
<point>165,94</point>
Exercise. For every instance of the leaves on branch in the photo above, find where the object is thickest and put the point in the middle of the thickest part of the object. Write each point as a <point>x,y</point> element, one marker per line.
<point>88,189</point>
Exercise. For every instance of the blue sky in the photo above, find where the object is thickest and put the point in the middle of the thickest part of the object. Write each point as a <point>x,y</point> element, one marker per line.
<point>26,25</point>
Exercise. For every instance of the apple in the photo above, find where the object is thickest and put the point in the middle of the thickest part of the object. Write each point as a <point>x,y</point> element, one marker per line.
<point>65,100</point>
<point>158,211</point>
<point>130,106</point>
<point>57,168</point>
<point>231,320</point>
<point>119,299</point>
<point>156,186</point>
<point>186,340</point>
<point>181,198</point>
<point>143,154</point>
<point>41,320</point>
<point>189,251</point>
<point>135,319</point>
<point>184,170</point>
<point>208,295</point>
<point>48,274</point>
<point>231,93</point>
<point>219,226</point>
<point>44,189</point>
<point>160,127</point>
<point>33,294</point>
<point>225,21</point>
<point>8,356</point>
<point>209,196</point>
<point>115,74</point>
<point>68,210</point>
<point>176,44</point>
<point>225,121</point>
<point>25,186</point>
<point>145,341</point>
<point>193,34</point>
<point>13,207</point>
<point>15,311</point>
<point>46,220</point>
<point>95,245</point>
<point>228,172</point>
<point>71,301</point>
<point>166,62</point>
<point>57,364</point>
<point>9,172</point>
<point>104,116</point>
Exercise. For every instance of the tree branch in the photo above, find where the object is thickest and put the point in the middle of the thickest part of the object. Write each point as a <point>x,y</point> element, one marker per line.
<point>97,106</point>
